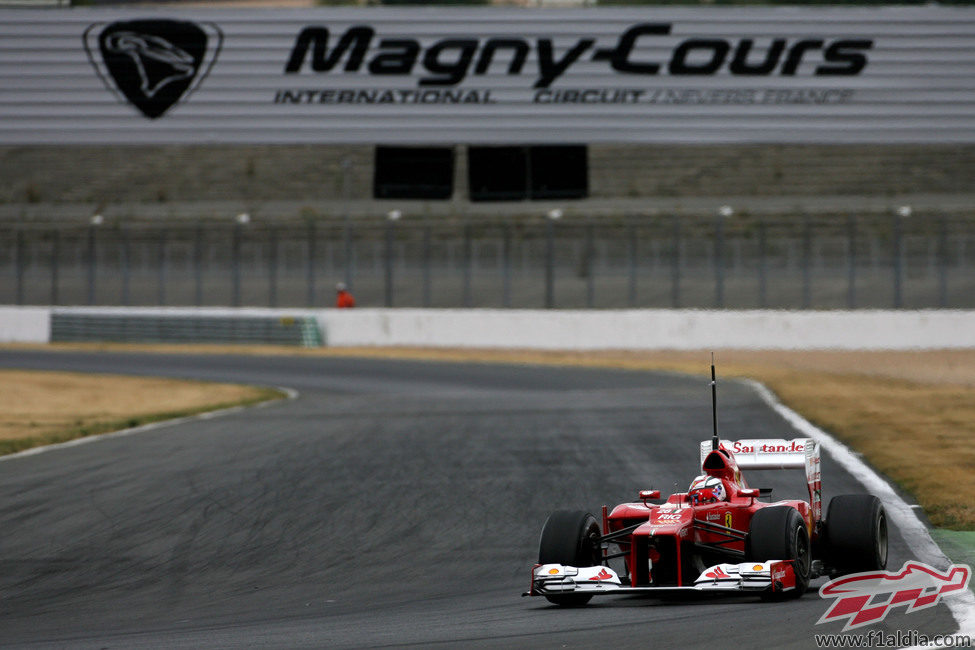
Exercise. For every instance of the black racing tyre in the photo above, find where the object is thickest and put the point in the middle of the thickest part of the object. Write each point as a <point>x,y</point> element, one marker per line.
<point>570,537</point>
<point>779,533</point>
<point>856,534</point>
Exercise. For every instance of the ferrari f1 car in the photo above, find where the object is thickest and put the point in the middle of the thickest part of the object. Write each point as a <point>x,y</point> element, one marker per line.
<point>719,536</point>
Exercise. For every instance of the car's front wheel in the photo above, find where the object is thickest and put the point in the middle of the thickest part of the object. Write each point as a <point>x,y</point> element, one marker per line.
<point>570,537</point>
<point>779,533</point>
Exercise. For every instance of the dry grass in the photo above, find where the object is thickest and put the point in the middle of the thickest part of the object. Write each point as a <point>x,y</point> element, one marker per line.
<point>910,413</point>
<point>920,435</point>
<point>42,407</point>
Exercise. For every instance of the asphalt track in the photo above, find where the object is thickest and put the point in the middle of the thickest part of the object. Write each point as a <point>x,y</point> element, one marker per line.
<point>392,504</point>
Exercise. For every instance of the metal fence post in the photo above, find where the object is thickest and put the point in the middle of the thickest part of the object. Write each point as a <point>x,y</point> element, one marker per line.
<point>590,267</point>
<point>506,264</point>
<point>719,262</point>
<point>348,237</point>
<point>310,265</point>
<point>943,263</point>
<point>762,264</point>
<point>550,262</point>
<point>92,263</point>
<point>675,262</point>
<point>898,262</point>
<point>162,268</point>
<point>468,261</point>
<point>198,265</point>
<point>807,262</point>
<point>55,264</point>
<point>347,251</point>
<point>426,264</point>
<point>125,254</point>
<point>235,264</point>
<point>631,256</point>
<point>391,219</point>
<point>851,263</point>
<point>20,265</point>
<point>272,267</point>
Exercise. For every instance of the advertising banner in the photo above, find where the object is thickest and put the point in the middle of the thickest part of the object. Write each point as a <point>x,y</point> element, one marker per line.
<point>488,75</point>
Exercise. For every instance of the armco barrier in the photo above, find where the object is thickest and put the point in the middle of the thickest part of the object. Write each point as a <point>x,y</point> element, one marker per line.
<point>488,328</point>
<point>165,327</point>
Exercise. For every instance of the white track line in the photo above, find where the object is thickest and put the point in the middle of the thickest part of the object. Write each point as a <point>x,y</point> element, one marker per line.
<point>900,512</point>
<point>290,394</point>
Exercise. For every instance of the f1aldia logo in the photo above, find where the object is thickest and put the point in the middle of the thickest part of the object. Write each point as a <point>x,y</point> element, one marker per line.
<point>153,64</point>
<point>866,598</point>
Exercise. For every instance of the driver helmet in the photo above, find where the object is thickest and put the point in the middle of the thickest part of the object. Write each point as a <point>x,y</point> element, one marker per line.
<point>706,489</point>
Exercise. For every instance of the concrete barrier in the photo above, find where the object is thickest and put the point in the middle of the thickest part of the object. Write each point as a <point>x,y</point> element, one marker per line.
<point>577,330</point>
<point>651,329</point>
<point>25,325</point>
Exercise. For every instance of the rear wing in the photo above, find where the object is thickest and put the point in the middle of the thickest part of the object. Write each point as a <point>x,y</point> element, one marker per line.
<point>801,453</point>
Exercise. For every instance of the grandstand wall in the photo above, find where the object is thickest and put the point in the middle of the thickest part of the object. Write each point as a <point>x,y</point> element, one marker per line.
<point>330,180</point>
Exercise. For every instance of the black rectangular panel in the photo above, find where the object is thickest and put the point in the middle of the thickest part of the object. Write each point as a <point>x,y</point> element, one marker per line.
<point>414,173</point>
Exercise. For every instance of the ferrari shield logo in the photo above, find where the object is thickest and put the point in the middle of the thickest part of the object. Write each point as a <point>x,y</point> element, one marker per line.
<point>153,64</point>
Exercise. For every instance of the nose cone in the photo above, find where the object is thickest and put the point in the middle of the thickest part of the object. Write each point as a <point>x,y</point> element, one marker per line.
<point>666,522</point>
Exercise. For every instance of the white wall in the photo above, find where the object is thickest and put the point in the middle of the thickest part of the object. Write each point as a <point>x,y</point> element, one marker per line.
<point>25,325</point>
<point>650,328</point>
<point>582,330</point>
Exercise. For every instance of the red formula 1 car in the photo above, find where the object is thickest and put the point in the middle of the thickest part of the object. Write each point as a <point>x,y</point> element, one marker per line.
<point>716,537</point>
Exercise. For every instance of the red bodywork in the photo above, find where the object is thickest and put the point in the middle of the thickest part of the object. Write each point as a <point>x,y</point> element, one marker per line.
<point>670,544</point>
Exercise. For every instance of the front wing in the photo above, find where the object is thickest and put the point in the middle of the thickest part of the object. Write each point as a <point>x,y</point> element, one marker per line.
<point>753,577</point>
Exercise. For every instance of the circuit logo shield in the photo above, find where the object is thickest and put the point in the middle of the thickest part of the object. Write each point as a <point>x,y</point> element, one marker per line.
<point>153,64</point>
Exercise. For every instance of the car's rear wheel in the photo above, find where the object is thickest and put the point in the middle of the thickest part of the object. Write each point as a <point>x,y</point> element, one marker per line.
<point>856,534</point>
<point>570,537</point>
<point>779,533</point>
